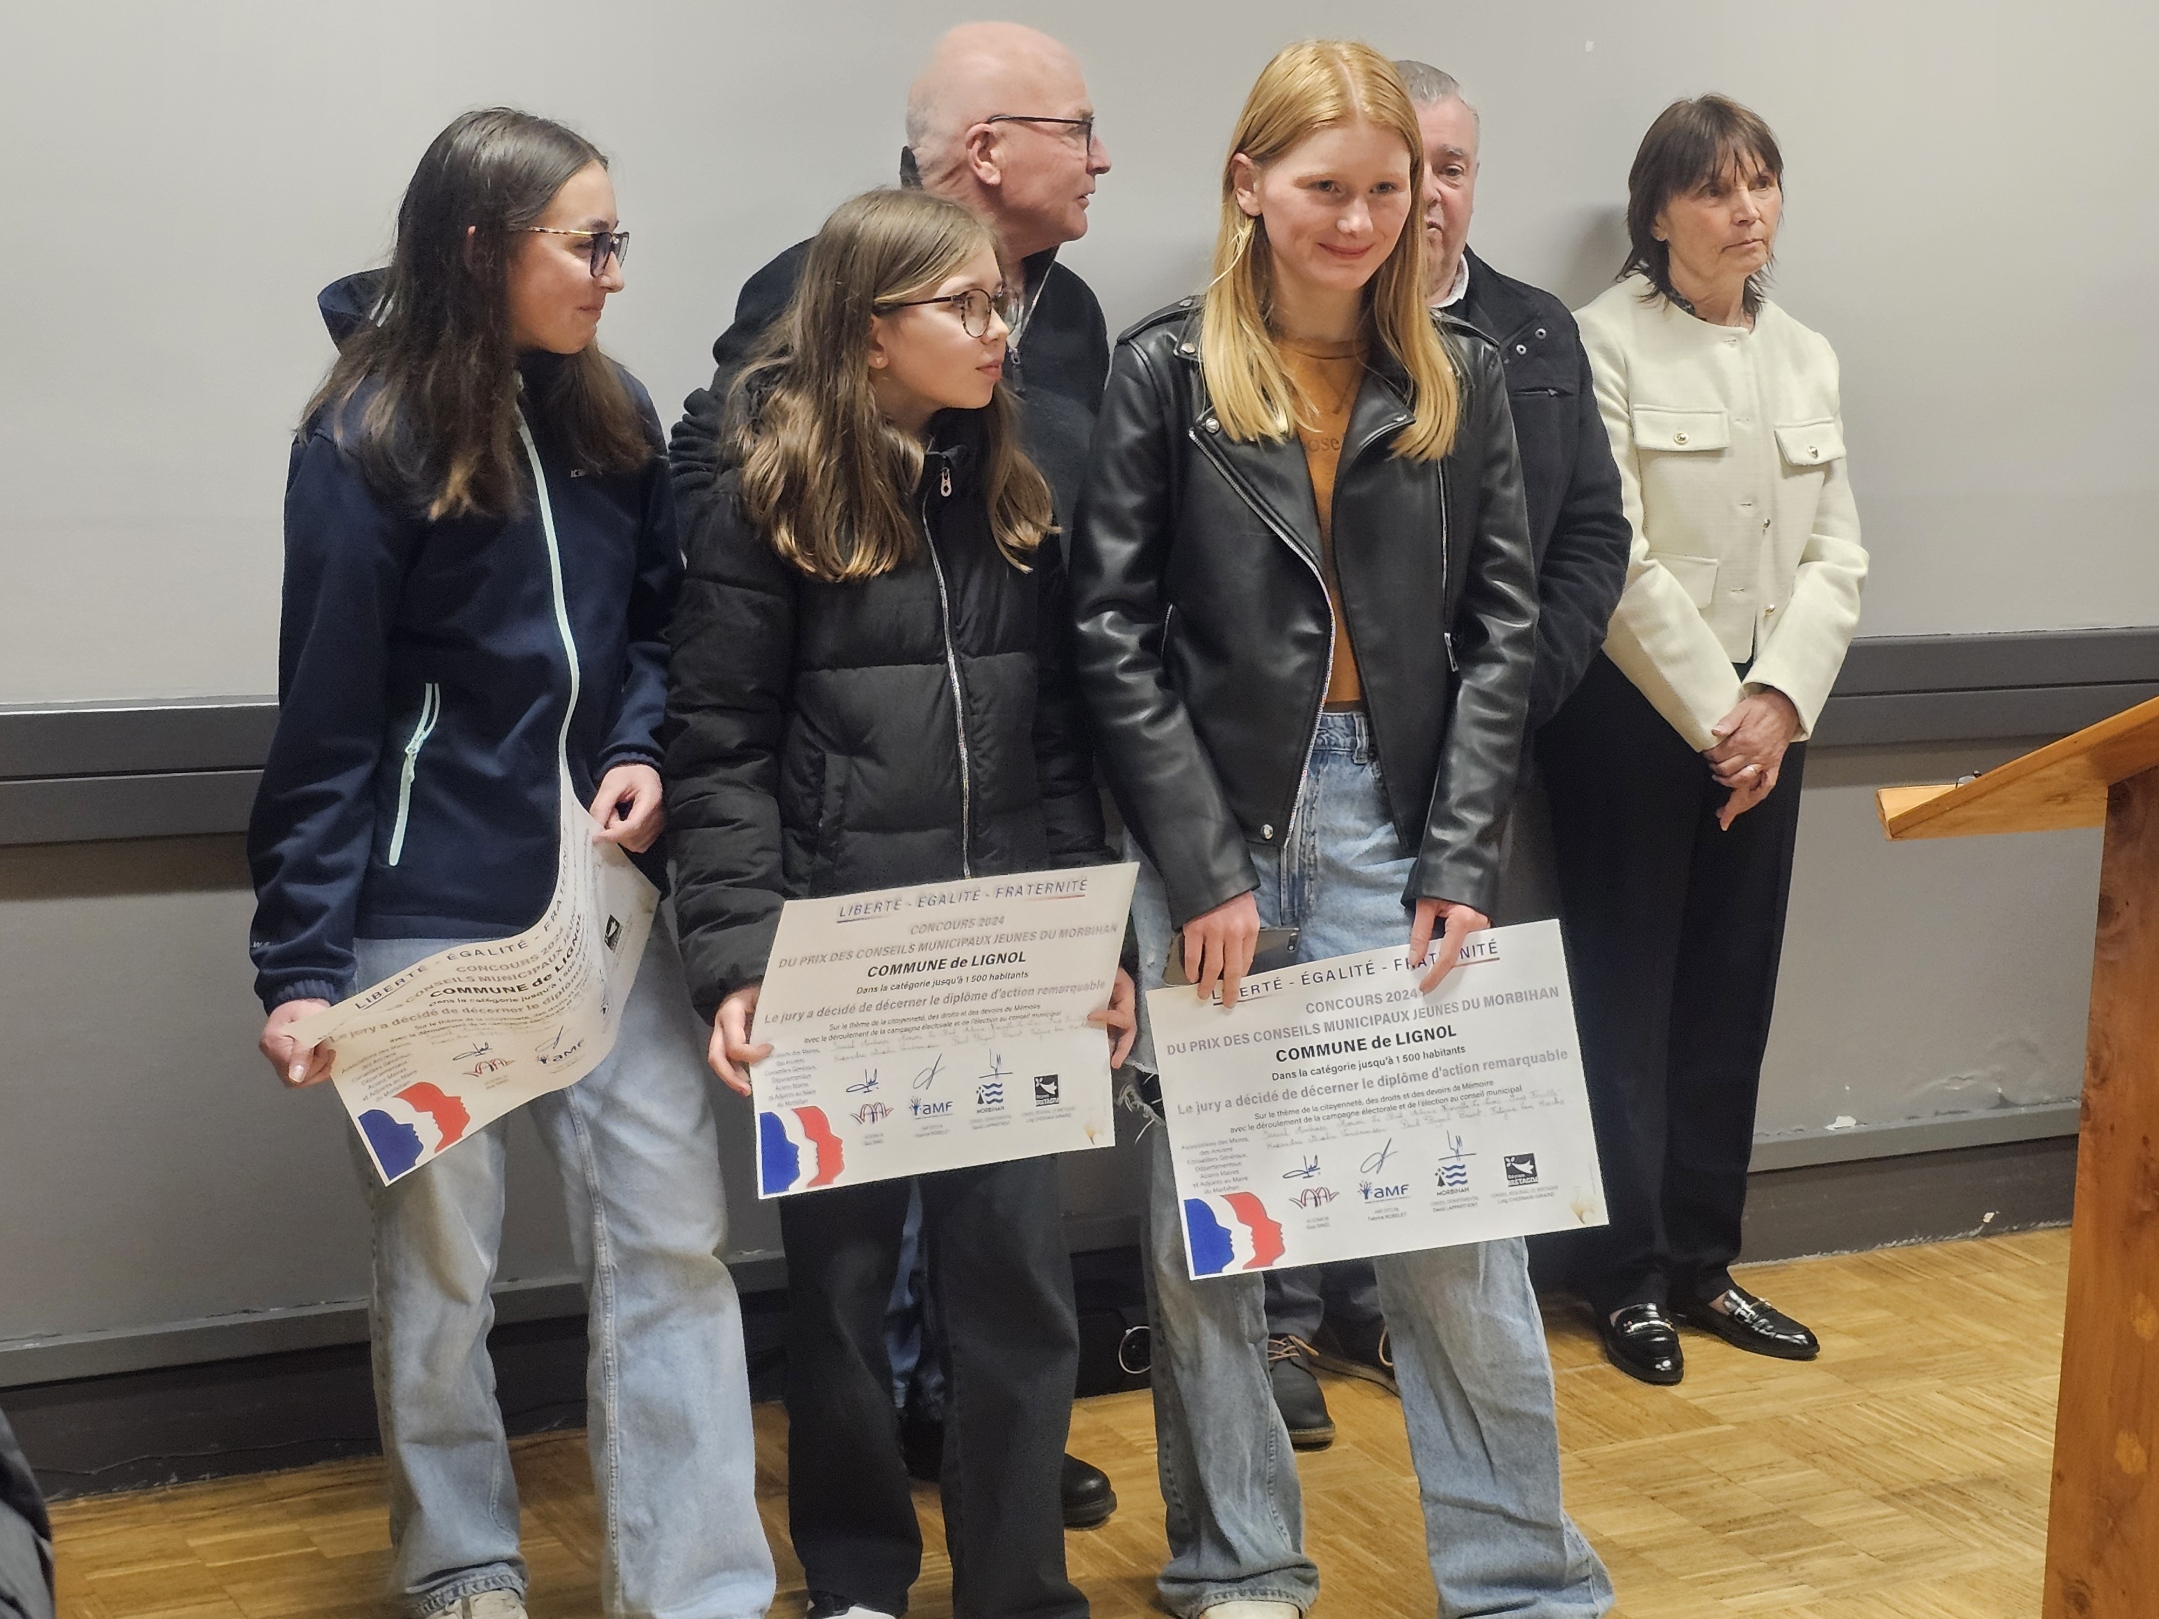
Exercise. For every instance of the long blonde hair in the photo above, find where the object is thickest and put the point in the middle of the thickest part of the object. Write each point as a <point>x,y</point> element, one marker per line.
<point>1314,85</point>
<point>824,475</point>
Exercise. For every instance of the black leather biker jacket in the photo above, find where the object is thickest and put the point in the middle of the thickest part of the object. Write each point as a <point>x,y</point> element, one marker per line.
<point>1206,636</point>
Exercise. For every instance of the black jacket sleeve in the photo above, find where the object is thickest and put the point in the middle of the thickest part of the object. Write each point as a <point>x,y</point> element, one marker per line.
<point>1585,560</point>
<point>730,688</point>
<point>313,825</point>
<point>635,738</point>
<point>1495,629</point>
<point>694,449</point>
<point>1158,767</point>
<point>1064,757</point>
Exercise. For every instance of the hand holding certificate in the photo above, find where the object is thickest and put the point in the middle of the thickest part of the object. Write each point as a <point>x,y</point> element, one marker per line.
<point>1338,1111</point>
<point>919,1029</point>
<point>438,1052</point>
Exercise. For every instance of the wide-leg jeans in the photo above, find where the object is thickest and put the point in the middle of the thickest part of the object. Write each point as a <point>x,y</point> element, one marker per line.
<point>668,1405</point>
<point>1467,1340</point>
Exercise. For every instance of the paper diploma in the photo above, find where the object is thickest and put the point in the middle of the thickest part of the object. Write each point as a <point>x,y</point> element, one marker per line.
<point>1337,1112</point>
<point>919,1029</point>
<point>441,1050</point>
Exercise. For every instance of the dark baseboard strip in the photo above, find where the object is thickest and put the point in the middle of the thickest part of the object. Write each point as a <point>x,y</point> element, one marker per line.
<point>26,1362</point>
<point>98,809</point>
<point>75,773</point>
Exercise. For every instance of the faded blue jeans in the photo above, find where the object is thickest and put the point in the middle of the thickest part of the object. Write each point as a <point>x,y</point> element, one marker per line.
<point>668,1400</point>
<point>1468,1344</point>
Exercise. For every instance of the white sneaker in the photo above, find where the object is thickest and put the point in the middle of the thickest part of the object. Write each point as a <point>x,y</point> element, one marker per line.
<point>1252,1610</point>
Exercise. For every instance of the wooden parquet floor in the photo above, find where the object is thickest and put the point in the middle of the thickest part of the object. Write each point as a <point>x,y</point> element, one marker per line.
<point>1902,1476</point>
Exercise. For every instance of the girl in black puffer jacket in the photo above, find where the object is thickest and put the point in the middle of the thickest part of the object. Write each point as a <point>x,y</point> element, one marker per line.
<point>871,686</point>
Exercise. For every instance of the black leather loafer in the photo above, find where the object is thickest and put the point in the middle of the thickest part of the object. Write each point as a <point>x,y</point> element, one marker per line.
<point>1297,1395</point>
<point>1088,1498</point>
<point>1642,1343</point>
<point>1745,1322</point>
<point>1083,1489</point>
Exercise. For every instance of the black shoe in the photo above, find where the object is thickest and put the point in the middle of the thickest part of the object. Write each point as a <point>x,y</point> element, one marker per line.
<point>1642,1343</point>
<point>1357,1351</point>
<point>1745,1322</point>
<point>1085,1490</point>
<point>1297,1395</point>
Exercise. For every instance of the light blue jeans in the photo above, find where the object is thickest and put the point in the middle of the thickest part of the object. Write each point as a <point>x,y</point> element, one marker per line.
<point>668,1401</point>
<point>1468,1344</point>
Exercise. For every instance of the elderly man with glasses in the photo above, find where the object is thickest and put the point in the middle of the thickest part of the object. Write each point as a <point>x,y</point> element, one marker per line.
<point>999,122</point>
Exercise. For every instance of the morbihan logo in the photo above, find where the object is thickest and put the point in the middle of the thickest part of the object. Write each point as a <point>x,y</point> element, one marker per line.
<point>990,1094</point>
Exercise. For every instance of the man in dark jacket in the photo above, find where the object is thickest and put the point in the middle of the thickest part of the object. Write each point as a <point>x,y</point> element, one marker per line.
<point>1000,122</point>
<point>1329,1315</point>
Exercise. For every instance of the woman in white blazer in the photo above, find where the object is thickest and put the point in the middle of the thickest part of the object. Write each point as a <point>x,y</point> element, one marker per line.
<point>1674,769</point>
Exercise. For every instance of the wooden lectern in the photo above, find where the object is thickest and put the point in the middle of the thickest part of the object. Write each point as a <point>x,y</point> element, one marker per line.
<point>2103,1521</point>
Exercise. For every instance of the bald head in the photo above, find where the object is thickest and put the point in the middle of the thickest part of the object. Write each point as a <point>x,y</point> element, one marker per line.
<point>978,70</point>
<point>1030,179</point>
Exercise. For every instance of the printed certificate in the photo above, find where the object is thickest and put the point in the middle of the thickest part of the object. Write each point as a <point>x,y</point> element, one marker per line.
<point>919,1029</point>
<point>1336,1112</point>
<point>441,1050</point>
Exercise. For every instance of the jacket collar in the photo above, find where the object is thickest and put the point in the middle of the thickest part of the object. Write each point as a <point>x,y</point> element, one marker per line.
<point>1273,474</point>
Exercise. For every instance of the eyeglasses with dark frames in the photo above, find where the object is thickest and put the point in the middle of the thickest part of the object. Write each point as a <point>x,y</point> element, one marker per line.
<point>606,244</point>
<point>1085,125</point>
<point>974,307</point>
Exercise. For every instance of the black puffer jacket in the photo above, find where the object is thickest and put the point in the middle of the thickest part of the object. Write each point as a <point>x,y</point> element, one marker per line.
<point>826,739</point>
<point>1206,635</point>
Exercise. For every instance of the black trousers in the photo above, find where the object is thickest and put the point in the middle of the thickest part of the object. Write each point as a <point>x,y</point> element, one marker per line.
<point>1674,929</point>
<point>1002,1283</point>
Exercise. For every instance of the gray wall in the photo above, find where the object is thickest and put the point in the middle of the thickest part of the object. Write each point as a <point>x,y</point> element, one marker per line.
<point>1962,224</point>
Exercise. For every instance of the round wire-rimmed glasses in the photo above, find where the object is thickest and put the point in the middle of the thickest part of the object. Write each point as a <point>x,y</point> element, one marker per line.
<point>606,244</point>
<point>974,307</point>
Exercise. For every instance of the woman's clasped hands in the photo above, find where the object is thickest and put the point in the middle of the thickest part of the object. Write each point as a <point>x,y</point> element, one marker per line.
<point>1750,746</point>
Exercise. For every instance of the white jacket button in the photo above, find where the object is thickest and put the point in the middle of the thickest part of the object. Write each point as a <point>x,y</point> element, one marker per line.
<point>1679,438</point>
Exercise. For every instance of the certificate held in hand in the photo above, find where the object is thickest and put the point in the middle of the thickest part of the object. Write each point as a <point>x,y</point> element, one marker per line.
<point>1337,1111</point>
<point>937,1027</point>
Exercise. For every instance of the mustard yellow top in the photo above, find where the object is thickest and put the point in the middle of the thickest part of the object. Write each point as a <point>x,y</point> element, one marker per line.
<point>1327,376</point>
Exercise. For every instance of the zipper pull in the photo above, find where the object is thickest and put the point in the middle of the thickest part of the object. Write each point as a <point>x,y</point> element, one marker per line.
<point>1454,664</point>
<point>944,481</point>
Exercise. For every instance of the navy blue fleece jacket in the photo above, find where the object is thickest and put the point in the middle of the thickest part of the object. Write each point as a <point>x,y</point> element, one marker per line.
<point>423,678</point>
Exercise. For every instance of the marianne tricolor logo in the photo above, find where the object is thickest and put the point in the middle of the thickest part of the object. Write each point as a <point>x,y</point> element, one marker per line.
<point>797,1151</point>
<point>407,1129</point>
<point>1230,1232</point>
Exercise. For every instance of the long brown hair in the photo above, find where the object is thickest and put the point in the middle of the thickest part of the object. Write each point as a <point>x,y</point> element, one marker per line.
<point>824,475</point>
<point>440,428</point>
<point>1314,85</point>
<point>1692,144</point>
